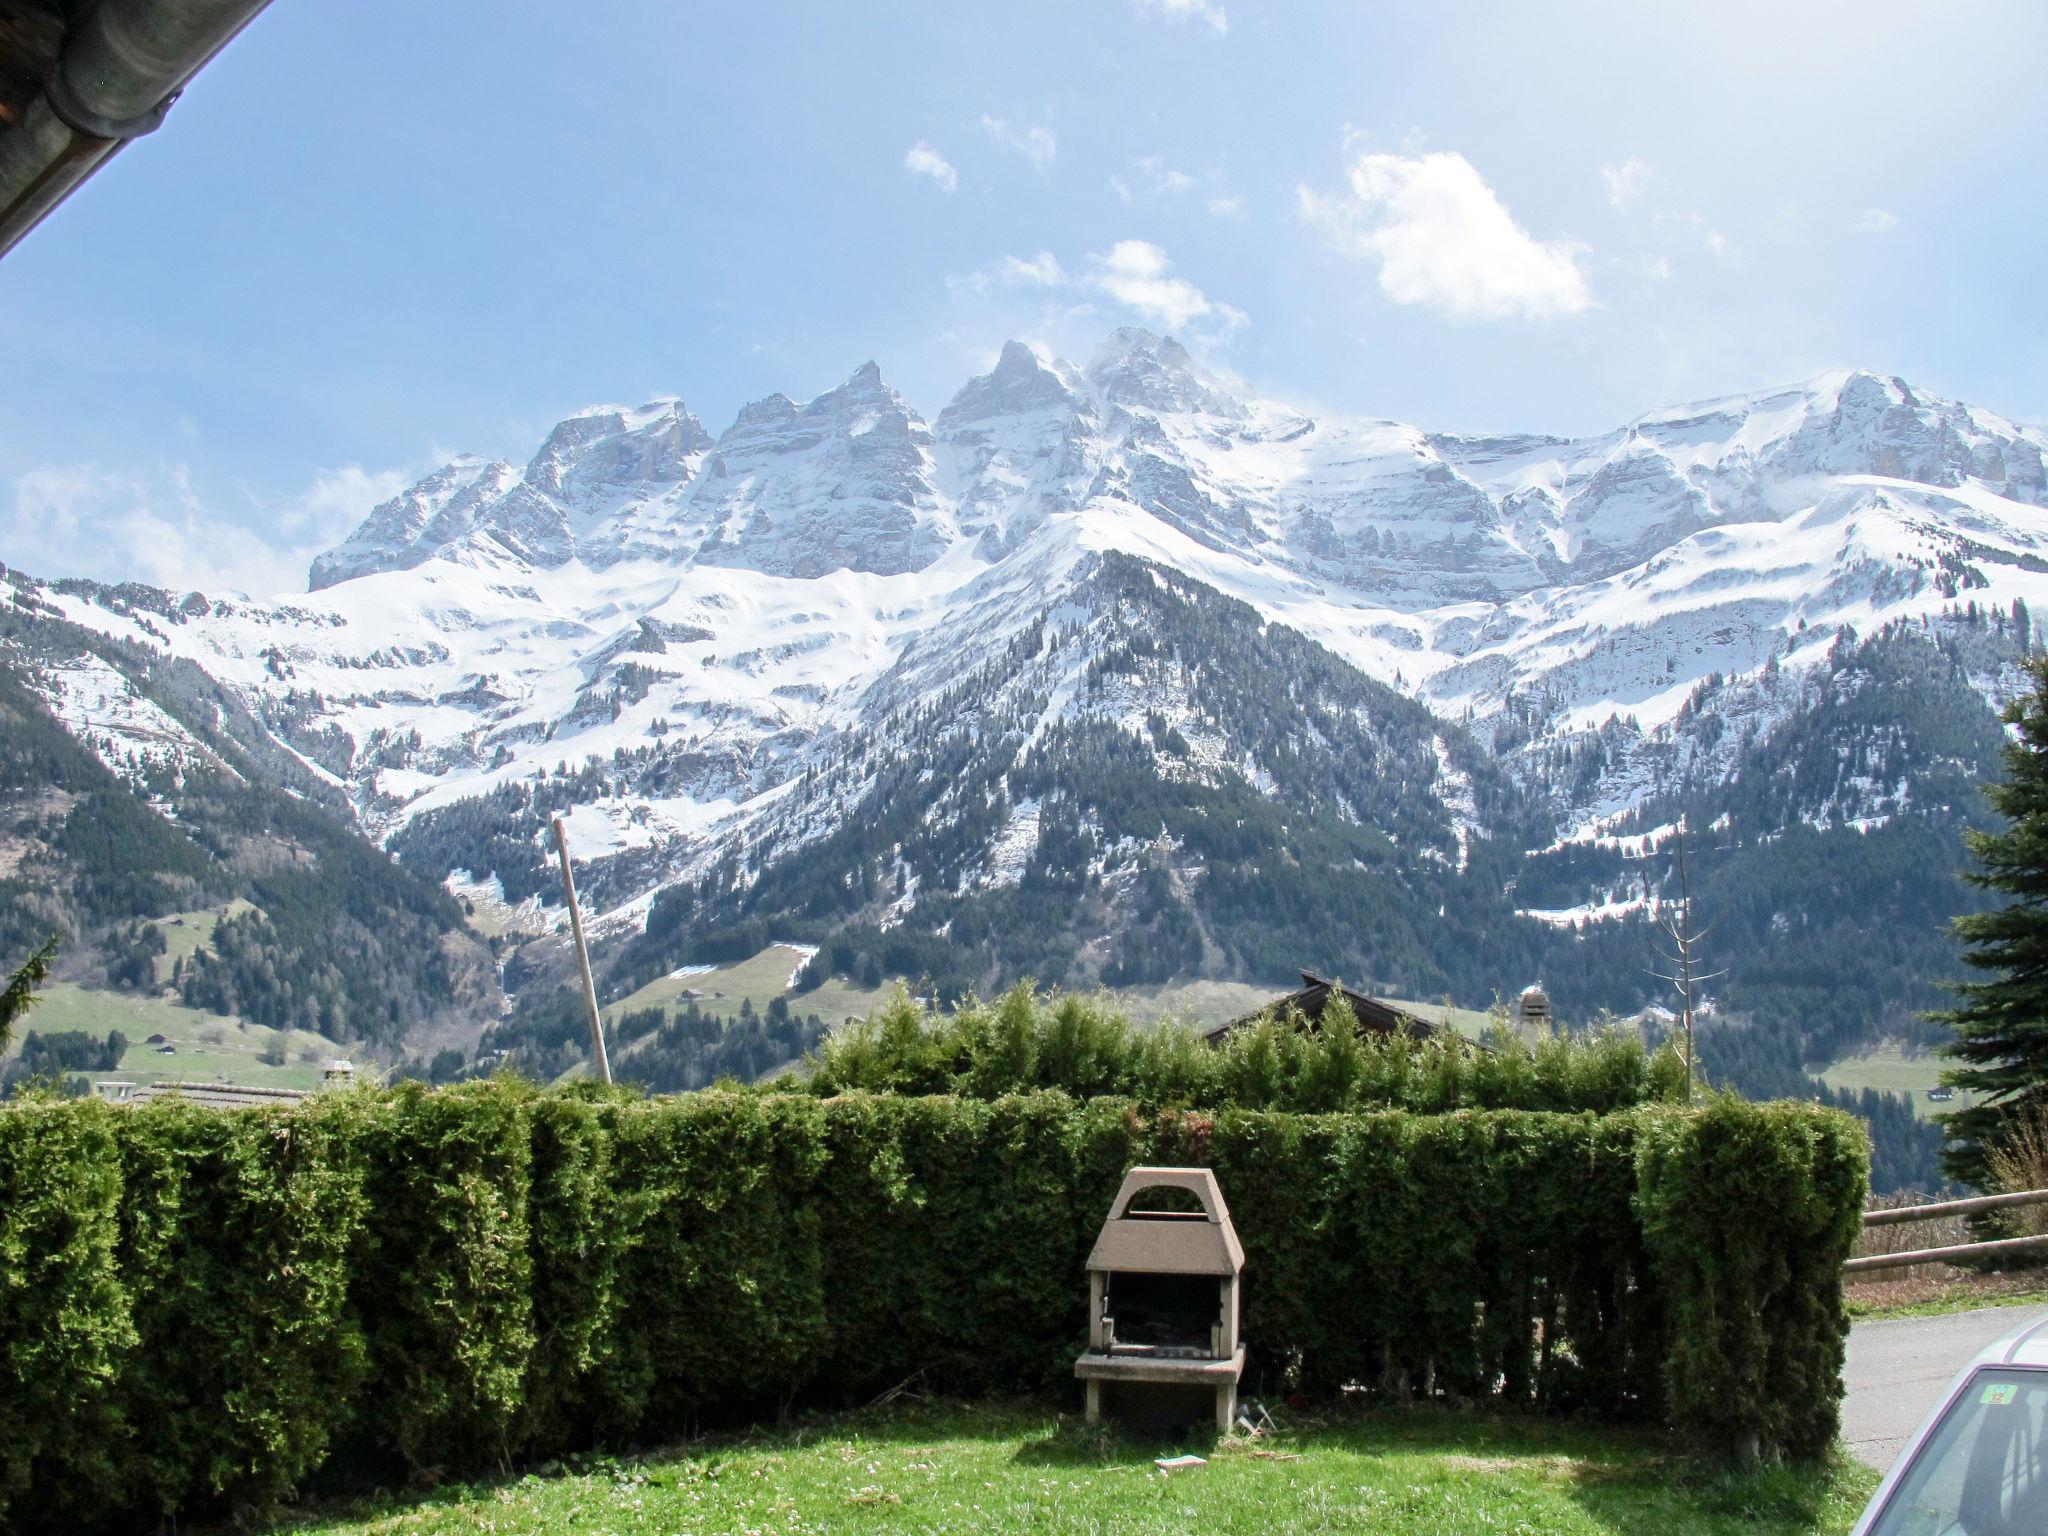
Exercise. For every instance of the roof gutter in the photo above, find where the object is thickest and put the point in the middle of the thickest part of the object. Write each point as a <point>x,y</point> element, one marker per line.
<point>121,67</point>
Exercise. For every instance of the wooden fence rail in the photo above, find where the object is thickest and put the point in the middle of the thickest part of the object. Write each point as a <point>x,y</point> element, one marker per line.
<point>1954,1208</point>
<point>1957,1252</point>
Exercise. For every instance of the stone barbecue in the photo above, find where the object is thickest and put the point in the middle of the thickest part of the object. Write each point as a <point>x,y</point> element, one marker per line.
<point>1163,1298</point>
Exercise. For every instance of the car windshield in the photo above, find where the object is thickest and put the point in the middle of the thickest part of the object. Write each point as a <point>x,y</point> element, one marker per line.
<point>1984,1469</point>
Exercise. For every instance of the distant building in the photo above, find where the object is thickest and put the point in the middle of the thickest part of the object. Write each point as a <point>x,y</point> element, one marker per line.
<point>214,1095</point>
<point>338,1073</point>
<point>1534,1013</point>
<point>157,1040</point>
<point>1374,1016</point>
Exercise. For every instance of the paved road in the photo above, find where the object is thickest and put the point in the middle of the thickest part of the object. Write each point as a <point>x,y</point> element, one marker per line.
<point>1897,1368</point>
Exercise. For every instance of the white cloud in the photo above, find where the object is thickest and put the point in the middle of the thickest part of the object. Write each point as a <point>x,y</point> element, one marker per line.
<point>1206,11</point>
<point>1151,176</point>
<point>1134,273</point>
<point>1226,207</point>
<point>923,160</point>
<point>1876,221</point>
<point>1040,271</point>
<point>1035,144</point>
<point>111,525</point>
<point>1627,180</point>
<point>1442,238</point>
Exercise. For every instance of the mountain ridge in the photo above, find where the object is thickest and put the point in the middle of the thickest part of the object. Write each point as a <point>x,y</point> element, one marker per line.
<point>813,560</point>
<point>1117,672</point>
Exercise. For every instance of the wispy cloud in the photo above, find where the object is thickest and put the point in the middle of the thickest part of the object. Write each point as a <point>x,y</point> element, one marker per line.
<point>1207,12</point>
<point>1632,181</point>
<point>1150,176</point>
<point>86,519</point>
<point>1442,238</point>
<point>1876,221</point>
<point>1694,224</point>
<point>1226,207</point>
<point>1136,274</point>
<point>1034,143</point>
<point>1626,180</point>
<point>1040,271</point>
<point>923,160</point>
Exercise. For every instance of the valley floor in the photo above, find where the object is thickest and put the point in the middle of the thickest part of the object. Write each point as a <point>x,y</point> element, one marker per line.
<point>1013,1467</point>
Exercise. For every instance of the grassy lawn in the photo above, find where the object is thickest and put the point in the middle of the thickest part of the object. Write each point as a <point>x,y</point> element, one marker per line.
<point>1872,1302</point>
<point>186,932</point>
<point>1888,1069</point>
<point>759,980</point>
<point>1472,1023</point>
<point>209,1047</point>
<point>932,1468</point>
<point>1203,1004</point>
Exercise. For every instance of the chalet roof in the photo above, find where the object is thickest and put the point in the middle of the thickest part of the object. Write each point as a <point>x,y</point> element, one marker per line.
<point>1315,994</point>
<point>216,1095</point>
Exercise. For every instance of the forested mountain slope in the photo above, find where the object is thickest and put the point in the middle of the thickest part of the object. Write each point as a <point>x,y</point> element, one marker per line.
<point>157,807</point>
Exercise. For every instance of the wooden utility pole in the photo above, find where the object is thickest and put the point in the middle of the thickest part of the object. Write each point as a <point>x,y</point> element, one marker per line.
<point>598,1058</point>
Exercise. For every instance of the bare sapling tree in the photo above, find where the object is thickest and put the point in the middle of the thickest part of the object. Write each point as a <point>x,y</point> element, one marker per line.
<point>1685,939</point>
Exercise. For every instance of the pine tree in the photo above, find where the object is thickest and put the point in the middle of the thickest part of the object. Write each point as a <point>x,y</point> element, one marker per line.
<point>19,995</point>
<point>2001,1025</point>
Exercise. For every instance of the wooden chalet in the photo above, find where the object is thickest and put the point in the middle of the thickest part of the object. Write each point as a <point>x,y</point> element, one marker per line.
<point>1308,1004</point>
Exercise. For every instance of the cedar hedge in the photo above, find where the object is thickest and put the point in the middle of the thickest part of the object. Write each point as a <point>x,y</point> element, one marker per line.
<point>1024,1041</point>
<point>208,1312</point>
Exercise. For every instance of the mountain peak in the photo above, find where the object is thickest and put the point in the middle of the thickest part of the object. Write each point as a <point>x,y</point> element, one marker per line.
<point>1136,367</point>
<point>1017,358</point>
<point>399,532</point>
<point>770,412</point>
<point>1135,341</point>
<point>1022,381</point>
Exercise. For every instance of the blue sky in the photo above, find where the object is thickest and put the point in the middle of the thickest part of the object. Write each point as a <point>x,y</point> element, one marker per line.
<point>378,232</point>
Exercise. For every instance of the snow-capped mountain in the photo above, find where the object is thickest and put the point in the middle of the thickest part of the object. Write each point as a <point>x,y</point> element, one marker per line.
<point>710,649</point>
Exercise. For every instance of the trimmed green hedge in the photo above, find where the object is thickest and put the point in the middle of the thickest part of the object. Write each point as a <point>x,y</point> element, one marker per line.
<point>1086,1045</point>
<point>203,1311</point>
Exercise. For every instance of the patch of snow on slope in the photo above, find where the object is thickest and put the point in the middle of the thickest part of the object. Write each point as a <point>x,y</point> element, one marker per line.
<point>1610,910</point>
<point>1633,845</point>
<point>123,729</point>
<point>804,953</point>
<point>1454,788</point>
<point>1012,848</point>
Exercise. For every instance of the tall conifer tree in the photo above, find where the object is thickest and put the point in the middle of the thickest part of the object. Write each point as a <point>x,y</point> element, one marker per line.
<point>2001,1024</point>
<point>19,995</point>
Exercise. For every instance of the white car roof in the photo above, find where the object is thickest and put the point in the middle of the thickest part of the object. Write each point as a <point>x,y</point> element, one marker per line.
<point>2026,1346</point>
